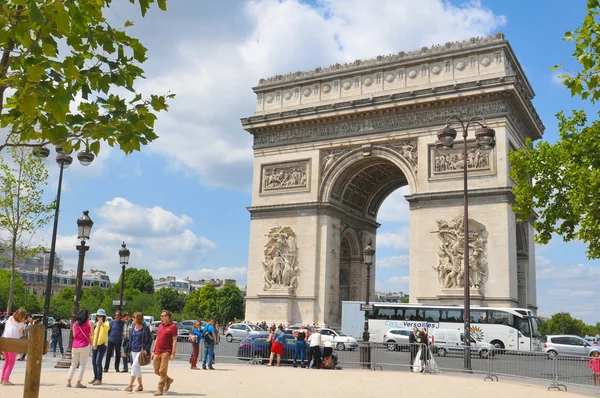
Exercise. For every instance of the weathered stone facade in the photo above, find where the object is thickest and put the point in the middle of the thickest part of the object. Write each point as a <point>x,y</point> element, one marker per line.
<point>330,145</point>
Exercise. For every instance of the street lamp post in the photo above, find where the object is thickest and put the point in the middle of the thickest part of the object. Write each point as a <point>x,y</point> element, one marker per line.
<point>124,259</point>
<point>368,254</point>
<point>485,142</point>
<point>84,229</point>
<point>64,160</point>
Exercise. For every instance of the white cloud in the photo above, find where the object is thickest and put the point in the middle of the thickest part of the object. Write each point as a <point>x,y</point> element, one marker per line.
<point>395,208</point>
<point>159,241</point>
<point>401,261</point>
<point>398,240</point>
<point>213,75</point>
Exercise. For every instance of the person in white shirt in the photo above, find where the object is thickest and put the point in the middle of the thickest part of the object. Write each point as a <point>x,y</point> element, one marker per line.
<point>315,343</point>
<point>13,329</point>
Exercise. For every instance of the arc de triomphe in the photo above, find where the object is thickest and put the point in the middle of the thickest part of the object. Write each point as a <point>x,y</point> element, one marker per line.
<point>331,144</point>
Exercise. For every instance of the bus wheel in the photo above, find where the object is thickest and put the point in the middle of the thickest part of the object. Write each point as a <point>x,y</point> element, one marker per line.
<point>498,345</point>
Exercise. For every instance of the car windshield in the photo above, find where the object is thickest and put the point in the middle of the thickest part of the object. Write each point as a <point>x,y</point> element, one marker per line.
<point>340,333</point>
<point>255,328</point>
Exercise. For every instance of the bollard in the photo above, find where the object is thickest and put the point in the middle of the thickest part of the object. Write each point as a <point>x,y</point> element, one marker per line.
<point>36,346</point>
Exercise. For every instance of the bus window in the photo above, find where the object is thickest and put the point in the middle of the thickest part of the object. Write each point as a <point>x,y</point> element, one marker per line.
<point>451,315</point>
<point>501,318</point>
<point>432,315</point>
<point>479,316</point>
<point>410,314</point>
<point>399,315</point>
<point>386,313</point>
<point>523,326</point>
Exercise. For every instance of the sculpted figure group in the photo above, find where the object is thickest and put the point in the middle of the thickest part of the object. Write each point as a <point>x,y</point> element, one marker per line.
<point>281,258</point>
<point>450,267</point>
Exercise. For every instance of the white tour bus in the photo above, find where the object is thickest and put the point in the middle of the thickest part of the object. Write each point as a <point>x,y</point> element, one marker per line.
<point>508,328</point>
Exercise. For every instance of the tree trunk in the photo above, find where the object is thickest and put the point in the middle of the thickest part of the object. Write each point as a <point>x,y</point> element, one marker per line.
<point>13,270</point>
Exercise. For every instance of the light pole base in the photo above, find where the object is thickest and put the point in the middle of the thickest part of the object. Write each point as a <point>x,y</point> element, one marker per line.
<point>65,361</point>
<point>365,356</point>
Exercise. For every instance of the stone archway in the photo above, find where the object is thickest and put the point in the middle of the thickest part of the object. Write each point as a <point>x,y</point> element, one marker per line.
<point>331,144</point>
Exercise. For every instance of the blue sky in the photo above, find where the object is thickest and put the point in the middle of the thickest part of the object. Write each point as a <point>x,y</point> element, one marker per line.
<point>180,204</point>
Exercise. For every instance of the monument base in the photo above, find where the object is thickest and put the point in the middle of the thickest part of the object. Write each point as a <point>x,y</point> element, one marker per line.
<point>278,291</point>
<point>459,292</point>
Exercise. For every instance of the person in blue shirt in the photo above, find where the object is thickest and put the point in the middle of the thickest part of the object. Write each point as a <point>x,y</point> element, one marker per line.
<point>197,332</point>
<point>115,339</point>
<point>209,336</point>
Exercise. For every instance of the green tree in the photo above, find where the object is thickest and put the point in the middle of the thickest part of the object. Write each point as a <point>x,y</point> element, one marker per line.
<point>170,299</point>
<point>61,305</point>
<point>229,304</point>
<point>92,299</point>
<point>22,210</point>
<point>56,54</point>
<point>139,279</point>
<point>560,181</point>
<point>564,323</point>
<point>19,292</point>
<point>192,305</point>
<point>207,301</point>
<point>31,303</point>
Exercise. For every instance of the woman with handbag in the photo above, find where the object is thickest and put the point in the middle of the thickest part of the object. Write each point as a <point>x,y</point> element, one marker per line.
<point>195,339</point>
<point>82,347</point>
<point>138,348</point>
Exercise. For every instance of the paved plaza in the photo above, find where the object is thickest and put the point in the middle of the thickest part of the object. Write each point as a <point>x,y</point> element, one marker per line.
<point>241,380</point>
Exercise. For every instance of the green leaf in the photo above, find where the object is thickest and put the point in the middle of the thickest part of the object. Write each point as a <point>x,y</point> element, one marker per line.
<point>34,13</point>
<point>162,4</point>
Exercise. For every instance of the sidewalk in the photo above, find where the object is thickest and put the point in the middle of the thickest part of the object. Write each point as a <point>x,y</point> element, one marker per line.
<point>263,382</point>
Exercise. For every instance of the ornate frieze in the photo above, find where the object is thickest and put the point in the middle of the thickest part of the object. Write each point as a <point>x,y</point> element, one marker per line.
<point>281,259</point>
<point>450,267</point>
<point>386,59</point>
<point>452,164</point>
<point>320,132</point>
<point>289,176</point>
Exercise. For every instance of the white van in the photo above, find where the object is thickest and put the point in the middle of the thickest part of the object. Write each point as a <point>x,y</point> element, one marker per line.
<point>149,321</point>
<point>451,341</point>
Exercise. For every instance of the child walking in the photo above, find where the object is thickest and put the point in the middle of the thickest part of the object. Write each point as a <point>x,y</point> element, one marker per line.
<point>594,365</point>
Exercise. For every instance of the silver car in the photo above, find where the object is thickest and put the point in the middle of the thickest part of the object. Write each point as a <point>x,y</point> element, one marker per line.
<point>397,338</point>
<point>568,345</point>
<point>239,331</point>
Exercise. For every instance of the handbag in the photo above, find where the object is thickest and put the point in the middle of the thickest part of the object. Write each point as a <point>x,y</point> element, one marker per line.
<point>144,357</point>
<point>84,335</point>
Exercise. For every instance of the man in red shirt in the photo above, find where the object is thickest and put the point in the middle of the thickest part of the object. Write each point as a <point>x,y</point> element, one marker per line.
<point>164,350</point>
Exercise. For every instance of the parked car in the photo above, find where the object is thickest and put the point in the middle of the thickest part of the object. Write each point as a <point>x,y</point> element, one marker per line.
<point>294,330</point>
<point>339,339</point>
<point>556,345</point>
<point>593,340</point>
<point>239,331</point>
<point>256,347</point>
<point>397,338</point>
<point>450,341</point>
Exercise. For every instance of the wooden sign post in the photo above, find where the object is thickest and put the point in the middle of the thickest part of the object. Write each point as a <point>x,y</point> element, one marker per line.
<point>35,347</point>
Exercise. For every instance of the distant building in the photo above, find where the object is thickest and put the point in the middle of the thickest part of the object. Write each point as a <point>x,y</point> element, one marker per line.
<point>392,297</point>
<point>35,282</point>
<point>38,263</point>
<point>187,286</point>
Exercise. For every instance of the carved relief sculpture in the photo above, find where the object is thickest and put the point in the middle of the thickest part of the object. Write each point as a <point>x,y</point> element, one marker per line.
<point>408,150</point>
<point>330,158</point>
<point>450,267</point>
<point>281,259</point>
<point>455,160</point>
<point>285,176</point>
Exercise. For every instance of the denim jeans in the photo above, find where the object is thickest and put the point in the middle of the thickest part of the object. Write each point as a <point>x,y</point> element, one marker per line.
<point>56,340</point>
<point>127,357</point>
<point>97,356</point>
<point>209,350</point>
<point>113,347</point>
<point>300,349</point>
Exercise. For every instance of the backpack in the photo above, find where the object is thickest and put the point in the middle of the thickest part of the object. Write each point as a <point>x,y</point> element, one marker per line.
<point>208,338</point>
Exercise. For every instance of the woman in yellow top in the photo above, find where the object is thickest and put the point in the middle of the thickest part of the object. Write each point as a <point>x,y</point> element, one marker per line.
<point>99,345</point>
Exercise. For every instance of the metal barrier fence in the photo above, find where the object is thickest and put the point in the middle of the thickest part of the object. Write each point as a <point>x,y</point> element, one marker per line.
<point>559,371</point>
